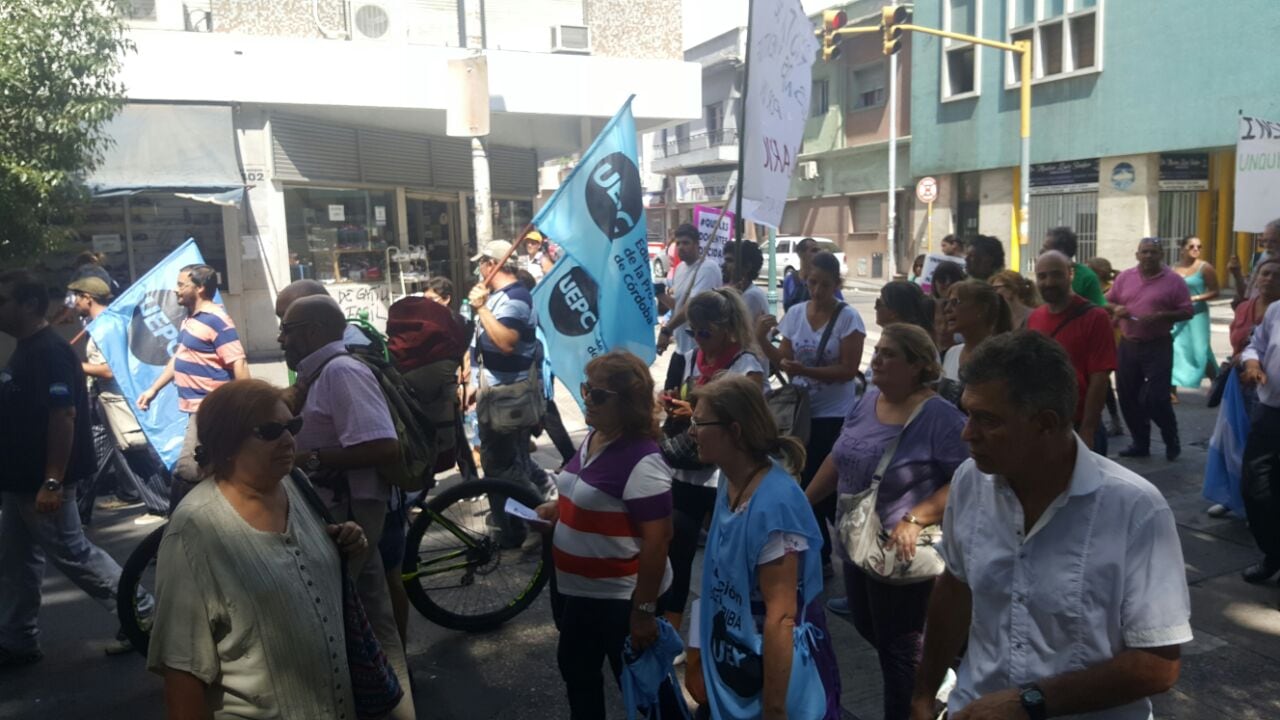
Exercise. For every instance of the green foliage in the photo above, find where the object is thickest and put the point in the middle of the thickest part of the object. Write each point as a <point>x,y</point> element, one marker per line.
<point>59,61</point>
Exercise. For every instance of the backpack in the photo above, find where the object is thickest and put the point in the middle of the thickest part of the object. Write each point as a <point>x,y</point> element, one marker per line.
<point>415,469</point>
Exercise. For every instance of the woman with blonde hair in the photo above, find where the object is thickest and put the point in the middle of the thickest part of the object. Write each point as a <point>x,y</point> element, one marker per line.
<point>761,621</point>
<point>1019,292</point>
<point>912,494</point>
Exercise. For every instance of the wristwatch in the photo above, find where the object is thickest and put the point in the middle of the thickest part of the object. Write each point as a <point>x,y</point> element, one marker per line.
<point>312,463</point>
<point>51,485</point>
<point>1033,701</point>
<point>912,519</point>
<point>646,607</point>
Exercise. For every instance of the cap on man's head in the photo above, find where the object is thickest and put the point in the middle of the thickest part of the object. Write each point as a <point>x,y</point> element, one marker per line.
<point>94,286</point>
<point>494,250</point>
<point>533,236</point>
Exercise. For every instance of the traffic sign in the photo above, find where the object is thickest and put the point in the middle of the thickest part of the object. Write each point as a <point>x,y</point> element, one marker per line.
<point>927,190</point>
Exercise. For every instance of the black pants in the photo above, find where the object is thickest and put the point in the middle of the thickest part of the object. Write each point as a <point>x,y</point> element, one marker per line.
<point>591,631</point>
<point>690,504</point>
<point>1143,377</point>
<point>823,433</point>
<point>890,618</point>
<point>1260,483</point>
<point>554,426</point>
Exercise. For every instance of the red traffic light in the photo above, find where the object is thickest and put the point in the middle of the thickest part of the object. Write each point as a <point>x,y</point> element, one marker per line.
<point>833,20</point>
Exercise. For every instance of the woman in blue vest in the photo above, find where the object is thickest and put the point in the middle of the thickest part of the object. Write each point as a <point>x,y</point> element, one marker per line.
<point>765,647</point>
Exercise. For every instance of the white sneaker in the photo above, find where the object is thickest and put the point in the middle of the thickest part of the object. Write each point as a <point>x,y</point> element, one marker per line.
<point>148,519</point>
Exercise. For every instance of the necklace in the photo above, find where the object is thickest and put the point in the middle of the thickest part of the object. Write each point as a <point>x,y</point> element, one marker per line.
<point>735,503</point>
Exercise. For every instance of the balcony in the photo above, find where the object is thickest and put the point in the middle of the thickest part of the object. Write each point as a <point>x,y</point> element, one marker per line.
<point>715,147</point>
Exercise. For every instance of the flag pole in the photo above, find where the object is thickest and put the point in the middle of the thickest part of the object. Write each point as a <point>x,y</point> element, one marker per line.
<point>739,222</point>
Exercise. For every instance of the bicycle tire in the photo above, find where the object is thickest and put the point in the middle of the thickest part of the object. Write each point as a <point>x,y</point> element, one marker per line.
<point>434,609</point>
<point>133,626</point>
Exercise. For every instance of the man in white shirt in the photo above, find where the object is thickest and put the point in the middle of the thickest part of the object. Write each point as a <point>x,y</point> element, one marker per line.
<point>696,274</point>
<point>1063,569</point>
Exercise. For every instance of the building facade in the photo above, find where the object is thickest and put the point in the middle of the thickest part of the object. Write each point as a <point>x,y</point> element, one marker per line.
<point>1133,125</point>
<point>295,139</point>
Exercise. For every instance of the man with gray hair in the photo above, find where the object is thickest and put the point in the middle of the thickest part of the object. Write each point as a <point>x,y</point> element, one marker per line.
<point>1271,248</point>
<point>1063,569</point>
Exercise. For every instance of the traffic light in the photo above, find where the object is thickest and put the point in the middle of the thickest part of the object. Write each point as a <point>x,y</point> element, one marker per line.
<point>832,20</point>
<point>890,18</point>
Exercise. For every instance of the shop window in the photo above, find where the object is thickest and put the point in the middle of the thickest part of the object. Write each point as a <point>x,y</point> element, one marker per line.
<point>1065,34</point>
<point>339,235</point>
<point>869,86</point>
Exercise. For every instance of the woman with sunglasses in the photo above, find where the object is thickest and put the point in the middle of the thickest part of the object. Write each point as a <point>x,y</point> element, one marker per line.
<point>944,276</point>
<point>720,324</point>
<point>912,495</point>
<point>826,371</point>
<point>974,311</point>
<point>248,583</point>
<point>612,524</point>
<point>765,649</point>
<point>1192,355</point>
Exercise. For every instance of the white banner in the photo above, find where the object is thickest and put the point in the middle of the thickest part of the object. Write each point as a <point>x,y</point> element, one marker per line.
<point>1257,174</point>
<point>780,60</point>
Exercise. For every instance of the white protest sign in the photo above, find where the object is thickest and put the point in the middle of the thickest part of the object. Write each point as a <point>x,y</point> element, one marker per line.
<point>713,238</point>
<point>780,58</point>
<point>1257,174</point>
<point>931,263</point>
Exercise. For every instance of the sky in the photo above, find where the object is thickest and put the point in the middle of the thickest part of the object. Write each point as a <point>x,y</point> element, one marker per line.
<point>704,19</point>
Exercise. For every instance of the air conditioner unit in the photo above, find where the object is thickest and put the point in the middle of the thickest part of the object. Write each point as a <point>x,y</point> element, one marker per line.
<point>571,39</point>
<point>374,21</point>
<point>809,170</point>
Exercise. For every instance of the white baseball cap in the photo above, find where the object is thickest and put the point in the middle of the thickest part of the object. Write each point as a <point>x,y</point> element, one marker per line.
<point>494,250</point>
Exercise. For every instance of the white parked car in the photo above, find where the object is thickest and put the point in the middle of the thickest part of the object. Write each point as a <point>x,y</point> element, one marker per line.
<point>789,261</point>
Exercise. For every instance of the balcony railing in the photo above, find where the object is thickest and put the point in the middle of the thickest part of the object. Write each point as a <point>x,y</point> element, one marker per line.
<point>699,141</point>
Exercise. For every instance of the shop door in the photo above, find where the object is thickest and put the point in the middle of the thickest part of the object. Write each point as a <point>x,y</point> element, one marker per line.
<point>433,225</point>
<point>1179,217</point>
<point>1078,211</point>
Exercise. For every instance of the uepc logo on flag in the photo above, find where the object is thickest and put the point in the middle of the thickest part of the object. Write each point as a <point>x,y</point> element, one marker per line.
<point>599,295</point>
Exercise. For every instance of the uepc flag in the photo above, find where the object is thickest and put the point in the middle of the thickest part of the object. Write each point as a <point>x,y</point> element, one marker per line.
<point>599,296</point>
<point>137,334</point>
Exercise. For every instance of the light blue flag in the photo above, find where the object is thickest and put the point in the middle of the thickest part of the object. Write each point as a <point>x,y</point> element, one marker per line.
<point>599,295</point>
<point>137,334</point>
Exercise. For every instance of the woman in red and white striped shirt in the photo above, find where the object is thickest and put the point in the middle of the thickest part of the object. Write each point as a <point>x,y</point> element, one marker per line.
<point>612,528</point>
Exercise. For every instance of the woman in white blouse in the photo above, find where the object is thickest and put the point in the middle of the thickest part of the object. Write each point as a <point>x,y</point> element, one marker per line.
<point>248,586</point>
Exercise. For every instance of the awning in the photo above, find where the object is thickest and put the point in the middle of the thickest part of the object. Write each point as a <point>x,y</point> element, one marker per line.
<point>188,150</point>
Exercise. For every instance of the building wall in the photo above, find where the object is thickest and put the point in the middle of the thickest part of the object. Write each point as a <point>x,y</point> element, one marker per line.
<point>635,28</point>
<point>282,18</point>
<point>1174,77</point>
<point>1126,216</point>
<point>871,124</point>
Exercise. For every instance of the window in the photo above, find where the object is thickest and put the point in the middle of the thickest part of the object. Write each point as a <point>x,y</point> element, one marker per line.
<point>715,121</point>
<point>960,59</point>
<point>138,9</point>
<point>821,99</point>
<point>868,213</point>
<point>869,86</point>
<point>1065,35</point>
<point>339,235</point>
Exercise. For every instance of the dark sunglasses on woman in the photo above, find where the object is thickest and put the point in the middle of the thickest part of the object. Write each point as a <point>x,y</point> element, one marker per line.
<point>270,431</point>
<point>596,396</point>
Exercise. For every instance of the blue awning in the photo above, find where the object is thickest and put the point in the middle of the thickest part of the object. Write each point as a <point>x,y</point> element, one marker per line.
<point>188,150</point>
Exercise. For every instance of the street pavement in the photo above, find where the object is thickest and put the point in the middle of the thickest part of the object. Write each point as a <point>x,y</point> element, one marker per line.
<point>511,673</point>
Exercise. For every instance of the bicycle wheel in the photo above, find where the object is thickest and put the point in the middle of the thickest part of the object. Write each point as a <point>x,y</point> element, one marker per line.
<point>134,604</point>
<point>456,570</point>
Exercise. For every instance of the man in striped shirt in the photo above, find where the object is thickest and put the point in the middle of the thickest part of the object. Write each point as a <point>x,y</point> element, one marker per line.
<point>208,355</point>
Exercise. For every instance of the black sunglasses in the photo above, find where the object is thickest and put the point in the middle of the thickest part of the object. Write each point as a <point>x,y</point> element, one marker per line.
<point>271,431</point>
<point>709,423</point>
<point>703,334</point>
<point>286,327</point>
<point>596,396</point>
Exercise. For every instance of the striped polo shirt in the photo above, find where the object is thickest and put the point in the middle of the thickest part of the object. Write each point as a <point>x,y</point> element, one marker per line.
<point>603,500</point>
<point>208,345</point>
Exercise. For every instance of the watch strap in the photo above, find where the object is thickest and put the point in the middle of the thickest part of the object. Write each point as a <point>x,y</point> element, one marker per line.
<point>646,607</point>
<point>1032,699</point>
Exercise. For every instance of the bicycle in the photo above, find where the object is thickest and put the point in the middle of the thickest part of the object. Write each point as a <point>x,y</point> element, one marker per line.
<point>457,561</point>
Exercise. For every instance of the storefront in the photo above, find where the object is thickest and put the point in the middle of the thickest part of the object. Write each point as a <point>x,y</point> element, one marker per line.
<point>1066,193</point>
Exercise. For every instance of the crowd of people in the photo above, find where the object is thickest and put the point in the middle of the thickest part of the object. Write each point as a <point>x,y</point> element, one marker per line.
<point>993,556</point>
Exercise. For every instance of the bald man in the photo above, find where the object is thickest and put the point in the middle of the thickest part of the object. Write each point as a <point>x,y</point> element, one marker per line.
<point>1084,330</point>
<point>347,432</point>
<point>1146,301</point>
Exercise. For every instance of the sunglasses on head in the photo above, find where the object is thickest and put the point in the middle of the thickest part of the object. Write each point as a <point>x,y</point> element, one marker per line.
<point>596,396</point>
<point>270,431</point>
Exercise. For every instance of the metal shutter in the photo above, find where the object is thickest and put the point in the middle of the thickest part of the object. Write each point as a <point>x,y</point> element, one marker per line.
<point>451,163</point>
<point>304,150</point>
<point>513,171</point>
<point>434,22</point>
<point>395,158</point>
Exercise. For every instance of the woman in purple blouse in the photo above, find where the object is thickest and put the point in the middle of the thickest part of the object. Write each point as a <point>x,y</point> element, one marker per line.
<point>912,495</point>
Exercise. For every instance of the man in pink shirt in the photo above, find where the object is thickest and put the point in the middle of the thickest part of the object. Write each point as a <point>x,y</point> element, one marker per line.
<point>1145,302</point>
